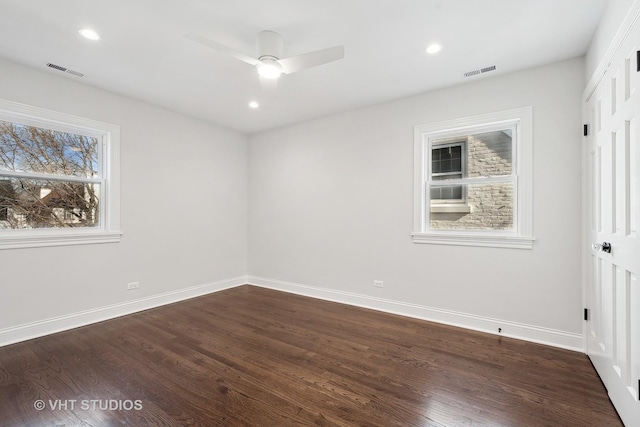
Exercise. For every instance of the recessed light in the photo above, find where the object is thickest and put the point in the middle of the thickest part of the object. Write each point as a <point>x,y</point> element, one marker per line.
<point>434,48</point>
<point>254,104</point>
<point>88,33</point>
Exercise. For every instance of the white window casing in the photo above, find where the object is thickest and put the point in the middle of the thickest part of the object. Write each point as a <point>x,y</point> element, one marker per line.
<point>108,179</point>
<point>520,236</point>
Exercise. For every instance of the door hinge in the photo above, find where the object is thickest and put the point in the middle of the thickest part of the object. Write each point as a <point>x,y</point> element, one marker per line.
<point>585,130</point>
<point>638,60</point>
<point>586,314</point>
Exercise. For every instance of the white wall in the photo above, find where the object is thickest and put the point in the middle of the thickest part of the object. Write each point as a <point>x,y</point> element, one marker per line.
<point>614,15</point>
<point>331,206</point>
<point>184,208</point>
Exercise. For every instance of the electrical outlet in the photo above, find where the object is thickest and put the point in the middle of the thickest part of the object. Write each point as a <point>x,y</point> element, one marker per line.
<point>378,284</point>
<point>133,285</point>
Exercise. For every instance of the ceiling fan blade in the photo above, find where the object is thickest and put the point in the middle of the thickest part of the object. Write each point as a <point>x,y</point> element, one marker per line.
<point>221,48</point>
<point>311,59</point>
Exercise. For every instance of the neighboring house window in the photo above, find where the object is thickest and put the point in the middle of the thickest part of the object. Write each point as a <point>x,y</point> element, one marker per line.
<point>448,161</point>
<point>473,181</point>
<point>59,180</point>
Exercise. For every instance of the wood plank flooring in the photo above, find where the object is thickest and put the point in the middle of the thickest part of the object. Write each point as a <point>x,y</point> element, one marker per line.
<point>255,357</point>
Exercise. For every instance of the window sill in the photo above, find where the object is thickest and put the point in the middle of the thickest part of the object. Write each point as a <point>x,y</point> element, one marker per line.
<point>451,208</point>
<point>475,239</point>
<point>43,239</point>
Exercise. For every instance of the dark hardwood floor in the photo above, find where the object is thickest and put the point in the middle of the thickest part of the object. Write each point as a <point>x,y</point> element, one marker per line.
<point>255,357</point>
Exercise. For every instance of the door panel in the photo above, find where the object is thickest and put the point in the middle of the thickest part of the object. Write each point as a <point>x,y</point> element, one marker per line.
<point>613,298</point>
<point>634,333</point>
<point>634,207</point>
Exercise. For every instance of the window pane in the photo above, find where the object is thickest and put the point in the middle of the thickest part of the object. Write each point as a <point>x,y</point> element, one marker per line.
<point>446,159</point>
<point>446,192</point>
<point>491,208</point>
<point>488,154</point>
<point>435,166</point>
<point>449,192</point>
<point>27,203</point>
<point>32,149</point>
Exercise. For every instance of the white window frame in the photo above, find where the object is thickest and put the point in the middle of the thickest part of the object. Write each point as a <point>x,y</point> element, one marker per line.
<point>108,136</point>
<point>521,236</point>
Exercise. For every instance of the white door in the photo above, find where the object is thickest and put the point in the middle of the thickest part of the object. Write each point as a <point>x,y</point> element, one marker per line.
<point>613,295</point>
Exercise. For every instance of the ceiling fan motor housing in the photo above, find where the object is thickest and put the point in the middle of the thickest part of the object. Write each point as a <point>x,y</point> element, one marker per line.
<point>270,45</point>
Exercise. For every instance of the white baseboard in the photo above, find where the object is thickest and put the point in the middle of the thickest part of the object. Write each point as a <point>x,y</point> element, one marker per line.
<point>552,337</point>
<point>62,323</point>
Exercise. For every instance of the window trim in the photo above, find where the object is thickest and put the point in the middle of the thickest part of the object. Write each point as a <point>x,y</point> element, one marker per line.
<point>109,160</point>
<point>521,237</point>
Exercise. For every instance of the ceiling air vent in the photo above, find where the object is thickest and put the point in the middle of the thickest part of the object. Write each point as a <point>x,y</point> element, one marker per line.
<point>64,69</point>
<point>471,73</point>
<point>479,71</point>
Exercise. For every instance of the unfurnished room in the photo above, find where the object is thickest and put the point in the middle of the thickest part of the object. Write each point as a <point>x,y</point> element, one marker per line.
<point>320,213</point>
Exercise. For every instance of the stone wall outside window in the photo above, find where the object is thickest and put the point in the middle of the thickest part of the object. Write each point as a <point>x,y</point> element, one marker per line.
<point>488,154</point>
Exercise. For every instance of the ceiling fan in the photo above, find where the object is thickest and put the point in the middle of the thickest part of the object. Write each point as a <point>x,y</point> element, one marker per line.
<point>269,61</point>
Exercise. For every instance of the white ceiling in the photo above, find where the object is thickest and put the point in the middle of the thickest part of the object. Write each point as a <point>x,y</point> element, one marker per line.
<point>144,55</point>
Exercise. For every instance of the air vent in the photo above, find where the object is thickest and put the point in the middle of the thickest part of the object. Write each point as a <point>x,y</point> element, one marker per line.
<point>75,73</point>
<point>64,69</point>
<point>57,67</point>
<point>479,71</point>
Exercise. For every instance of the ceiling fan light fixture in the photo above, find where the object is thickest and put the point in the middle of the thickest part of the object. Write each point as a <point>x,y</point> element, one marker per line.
<point>269,68</point>
<point>269,60</point>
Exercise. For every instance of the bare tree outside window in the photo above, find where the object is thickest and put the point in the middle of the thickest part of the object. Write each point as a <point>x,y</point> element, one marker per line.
<point>47,178</point>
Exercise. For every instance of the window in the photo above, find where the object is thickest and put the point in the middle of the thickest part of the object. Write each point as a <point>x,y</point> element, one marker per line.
<point>448,162</point>
<point>473,181</point>
<point>59,179</point>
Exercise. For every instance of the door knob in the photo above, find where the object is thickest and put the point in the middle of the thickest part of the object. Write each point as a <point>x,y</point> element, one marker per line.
<point>604,247</point>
